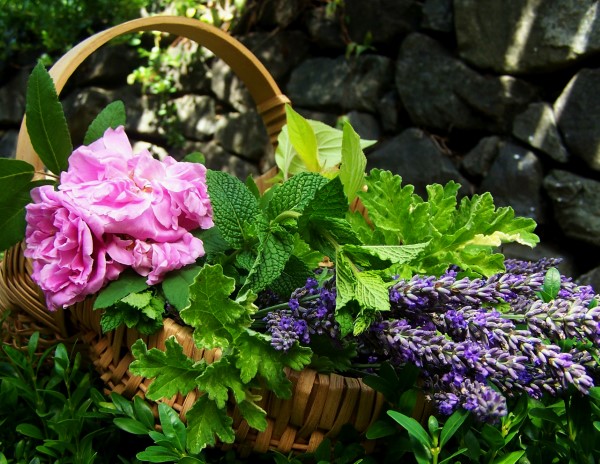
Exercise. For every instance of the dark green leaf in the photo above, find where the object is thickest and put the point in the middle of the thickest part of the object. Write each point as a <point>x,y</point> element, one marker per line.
<point>195,157</point>
<point>128,282</point>
<point>131,426</point>
<point>157,454</point>
<point>12,217</point>
<point>172,426</point>
<point>510,458</point>
<point>112,117</point>
<point>30,430</point>
<point>46,123</point>
<point>15,175</point>
<point>452,424</point>
<point>413,428</point>
<point>380,429</point>
<point>295,194</point>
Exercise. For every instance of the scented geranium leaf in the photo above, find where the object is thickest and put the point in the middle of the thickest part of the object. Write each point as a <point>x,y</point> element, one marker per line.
<point>303,139</point>
<point>254,414</point>
<point>128,282</point>
<point>172,370</point>
<point>234,206</point>
<point>371,292</point>
<point>111,117</point>
<point>295,194</point>
<point>220,377</point>
<point>293,276</point>
<point>205,420</point>
<point>352,170</point>
<point>176,285</point>
<point>46,123</point>
<point>217,319</point>
<point>274,251</point>
<point>255,356</point>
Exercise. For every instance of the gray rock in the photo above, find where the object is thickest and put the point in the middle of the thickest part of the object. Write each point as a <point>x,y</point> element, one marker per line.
<point>515,179</point>
<point>592,278</point>
<point>8,143</point>
<point>243,134</point>
<point>123,59</point>
<point>324,30</point>
<point>389,108</point>
<point>527,36</point>
<point>438,15</point>
<point>194,77</point>
<point>196,115</point>
<point>81,109</point>
<point>478,161</point>
<point>219,159</point>
<point>365,125</point>
<point>418,160</point>
<point>354,84</point>
<point>541,250</point>
<point>12,99</point>
<point>229,88</point>
<point>382,19</point>
<point>578,114</point>
<point>536,126</point>
<point>279,52</point>
<point>279,13</point>
<point>441,92</point>
<point>576,203</point>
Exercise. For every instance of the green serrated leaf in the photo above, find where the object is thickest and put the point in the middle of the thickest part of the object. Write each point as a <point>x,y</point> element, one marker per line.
<point>172,370</point>
<point>354,162</point>
<point>293,276</point>
<point>295,194</point>
<point>254,415</point>
<point>128,282</point>
<point>234,206</point>
<point>371,292</point>
<point>205,420</point>
<point>46,122</point>
<point>112,317</point>
<point>138,300</point>
<point>303,139</point>
<point>398,254</point>
<point>220,377</point>
<point>112,116</point>
<point>215,317</point>
<point>344,280</point>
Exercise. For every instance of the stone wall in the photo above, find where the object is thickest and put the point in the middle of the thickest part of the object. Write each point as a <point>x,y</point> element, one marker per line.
<point>499,96</point>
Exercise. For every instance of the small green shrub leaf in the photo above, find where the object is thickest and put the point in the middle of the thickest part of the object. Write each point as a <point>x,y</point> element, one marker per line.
<point>30,430</point>
<point>413,428</point>
<point>112,117</point>
<point>131,426</point>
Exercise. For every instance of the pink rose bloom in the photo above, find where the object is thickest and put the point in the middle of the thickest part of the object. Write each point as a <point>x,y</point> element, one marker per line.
<point>154,260</point>
<point>68,254</point>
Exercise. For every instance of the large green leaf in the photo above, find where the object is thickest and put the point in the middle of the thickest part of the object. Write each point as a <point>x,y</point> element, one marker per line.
<point>354,162</point>
<point>218,379</point>
<point>205,420</point>
<point>172,370</point>
<point>46,123</point>
<point>12,217</point>
<point>303,139</point>
<point>128,282</point>
<point>413,428</point>
<point>234,206</point>
<point>216,318</point>
<point>112,116</point>
<point>15,175</point>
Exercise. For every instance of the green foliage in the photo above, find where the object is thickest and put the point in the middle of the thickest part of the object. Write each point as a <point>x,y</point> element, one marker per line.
<point>53,27</point>
<point>49,409</point>
<point>111,116</point>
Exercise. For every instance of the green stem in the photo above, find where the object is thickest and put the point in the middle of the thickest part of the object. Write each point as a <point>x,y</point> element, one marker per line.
<point>265,311</point>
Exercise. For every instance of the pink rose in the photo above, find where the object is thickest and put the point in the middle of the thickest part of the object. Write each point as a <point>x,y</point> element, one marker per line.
<point>68,254</point>
<point>155,259</point>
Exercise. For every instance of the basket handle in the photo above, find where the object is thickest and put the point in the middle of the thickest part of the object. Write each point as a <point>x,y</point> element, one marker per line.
<point>269,100</point>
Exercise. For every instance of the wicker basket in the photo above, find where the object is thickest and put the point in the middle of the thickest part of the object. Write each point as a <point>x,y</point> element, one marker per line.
<point>321,403</point>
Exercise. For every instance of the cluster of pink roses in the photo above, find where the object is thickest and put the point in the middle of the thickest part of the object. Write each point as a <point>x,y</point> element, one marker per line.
<point>114,209</point>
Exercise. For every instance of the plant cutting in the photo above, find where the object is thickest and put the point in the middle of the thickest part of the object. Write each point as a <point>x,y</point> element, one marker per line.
<point>297,276</point>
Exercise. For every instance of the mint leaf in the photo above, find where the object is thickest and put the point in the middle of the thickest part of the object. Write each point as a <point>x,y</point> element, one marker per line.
<point>396,254</point>
<point>352,170</point>
<point>293,276</point>
<point>275,249</point>
<point>46,123</point>
<point>234,206</point>
<point>128,282</point>
<point>303,139</point>
<point>345,281</point>
<point>371,292</point>
<point>112,116</point>
<point>172,370</point>
<point>295,194</point>
<point>217,319</point>
<point>112,318</point>
<point>220,377</point>
<point>176,285</point>
<point>205,420</point>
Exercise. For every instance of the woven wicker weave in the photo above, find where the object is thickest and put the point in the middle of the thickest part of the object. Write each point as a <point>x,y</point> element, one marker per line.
<point>321,403</point>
